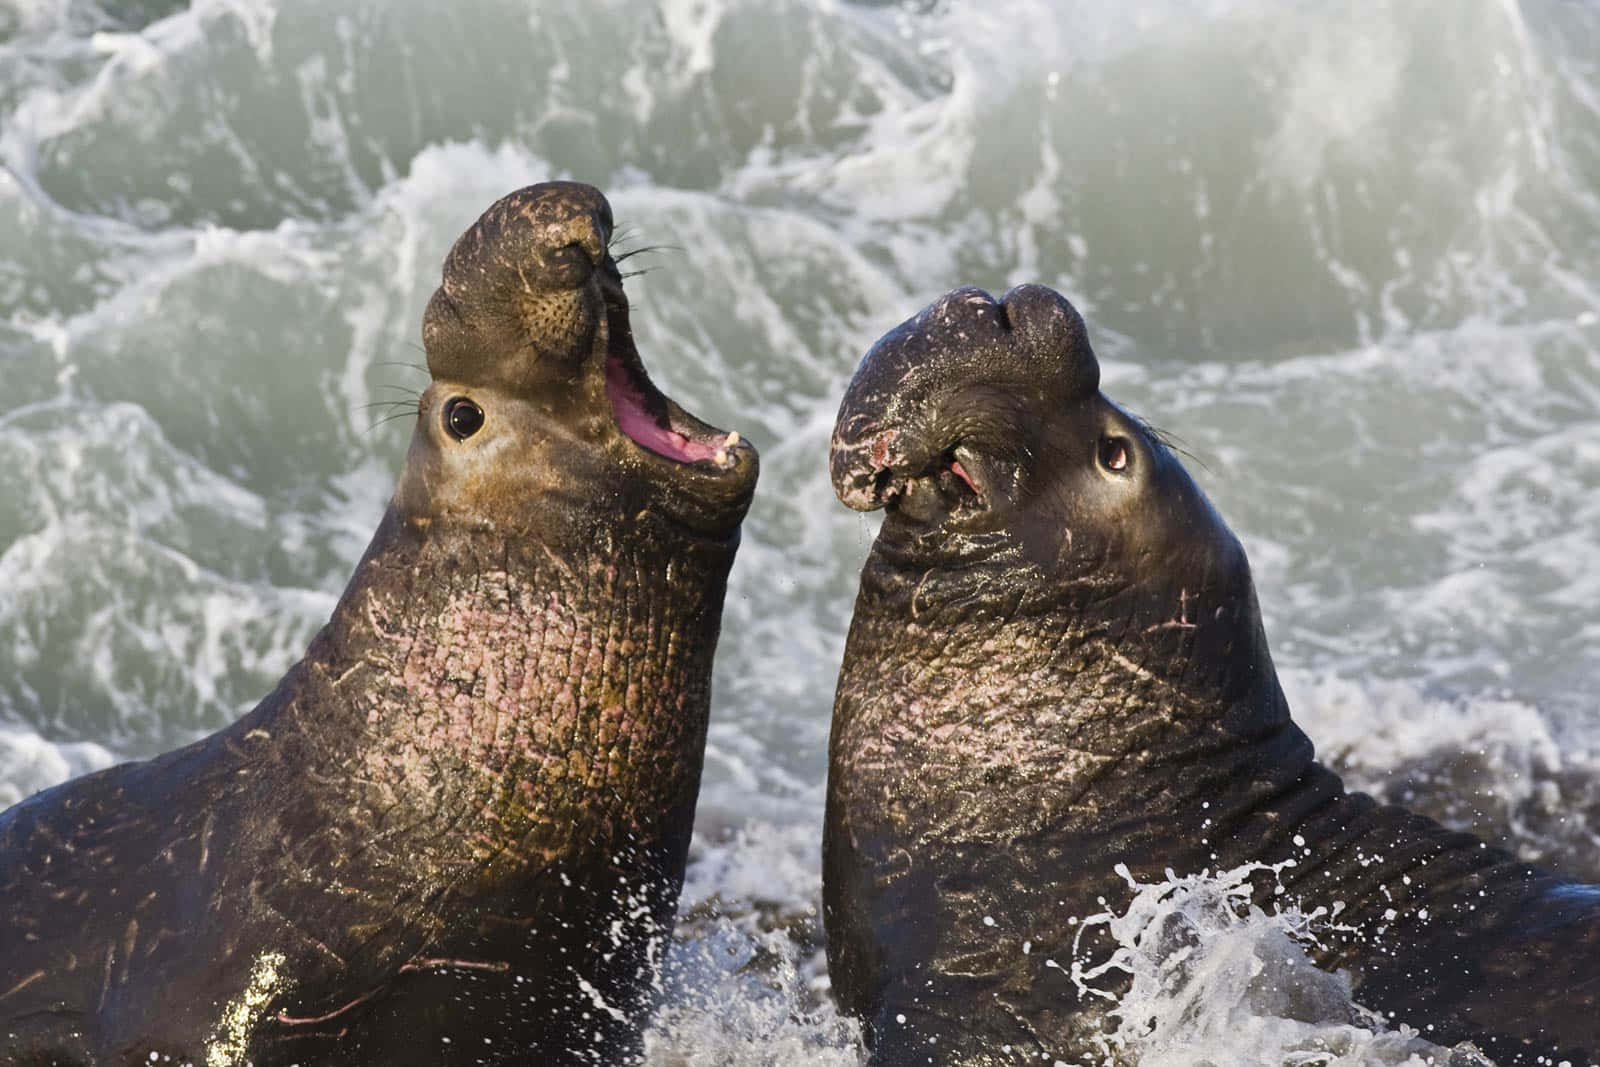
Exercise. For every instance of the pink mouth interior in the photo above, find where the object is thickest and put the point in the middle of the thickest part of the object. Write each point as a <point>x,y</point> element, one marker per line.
<point>632,419</point>
<point>961,472</point>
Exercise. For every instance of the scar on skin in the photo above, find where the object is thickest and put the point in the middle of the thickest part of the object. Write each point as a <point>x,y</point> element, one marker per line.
<point>915,593</point>
<point>345,677</point>
<point>309,1020</point>
<point>24,984</point>
<point>1137,670</point>
<point>130,940</point>
<point>435,964</point>
<point>880,448</point>
<point>105,988</point>
<point>205,840</point>
<point>1181,622</point>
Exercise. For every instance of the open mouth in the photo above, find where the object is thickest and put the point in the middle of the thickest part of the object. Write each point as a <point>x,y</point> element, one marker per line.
<point>886,468</point>
<point>655,424</point>
<point>952,486</point>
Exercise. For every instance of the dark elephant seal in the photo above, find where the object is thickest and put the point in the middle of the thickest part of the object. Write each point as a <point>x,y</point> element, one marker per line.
<point>456,830</point>
<point>1056,666</point>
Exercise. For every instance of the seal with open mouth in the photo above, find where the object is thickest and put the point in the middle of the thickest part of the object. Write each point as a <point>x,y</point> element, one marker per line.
<point>456,830</point>
<point>1057,666</point>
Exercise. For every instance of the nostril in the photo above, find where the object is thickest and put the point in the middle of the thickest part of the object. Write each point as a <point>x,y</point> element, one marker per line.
<point>883,487</point>
<point>569,266</point>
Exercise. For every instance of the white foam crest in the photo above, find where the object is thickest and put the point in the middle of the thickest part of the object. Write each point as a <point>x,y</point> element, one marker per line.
<point>344,517</point>
<point>1344,87</point>
<point>1523,499</point>
<point>744,977</point>
<point>1371,727</point>
<point>690,26</point>
<point>1469,357</point>
<point>64,457</point>
<point>29,763</point>
<point>116,637</point>
<point>755,863</point>
<point>448,185</point>
<point>21,20</point>
<point>784,283</point>
<point>1516,774</point>
<point>142,56</point>
<point>771,1015</point>
<point>1215,979</point>
<point>782,640</point>
<point>151,267</point>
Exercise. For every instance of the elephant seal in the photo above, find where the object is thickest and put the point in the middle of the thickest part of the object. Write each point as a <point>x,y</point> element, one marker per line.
<point>1057,666</point>
<point>456,830</point>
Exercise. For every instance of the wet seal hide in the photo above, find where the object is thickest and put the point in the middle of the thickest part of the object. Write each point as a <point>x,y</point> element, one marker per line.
<point>456,830</point>
<point>1057,666</point>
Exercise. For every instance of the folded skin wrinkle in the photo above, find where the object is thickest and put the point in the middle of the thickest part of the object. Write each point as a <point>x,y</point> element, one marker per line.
<point>1056,679</point>
<point>456,830</point>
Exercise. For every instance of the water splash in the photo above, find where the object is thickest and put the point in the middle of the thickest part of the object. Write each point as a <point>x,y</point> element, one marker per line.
<point>1214,979</point>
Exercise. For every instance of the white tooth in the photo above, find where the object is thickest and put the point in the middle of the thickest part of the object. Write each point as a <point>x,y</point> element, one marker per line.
<point>733,439</point>
<point>721,456</point>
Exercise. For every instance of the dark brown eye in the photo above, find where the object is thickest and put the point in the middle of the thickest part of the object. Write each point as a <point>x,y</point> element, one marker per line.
<point>1114,454</point>
<point>462,418</point>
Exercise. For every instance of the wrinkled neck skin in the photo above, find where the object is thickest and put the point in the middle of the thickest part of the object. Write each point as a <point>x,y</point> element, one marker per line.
<point>506,737</point>
<point>551,701</point>
<point>998,749</point>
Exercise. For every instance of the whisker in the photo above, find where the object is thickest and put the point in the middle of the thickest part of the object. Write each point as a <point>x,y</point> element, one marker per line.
<point>1172,441</point>
<point>630,253</point>
<point>388,418</point>
<point>402,363</point>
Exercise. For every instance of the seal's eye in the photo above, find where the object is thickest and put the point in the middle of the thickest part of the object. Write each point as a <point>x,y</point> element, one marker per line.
<point>1114,454</point>
<point>462,418</point>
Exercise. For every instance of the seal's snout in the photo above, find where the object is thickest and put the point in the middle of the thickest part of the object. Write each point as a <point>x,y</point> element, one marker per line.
<point>564,232</point>
<point>941,396</point>
<point>1031,331</point>
<point>1048,334</point>
<point>523,295</point>
<point>531,311</point>
<point>558,229</point>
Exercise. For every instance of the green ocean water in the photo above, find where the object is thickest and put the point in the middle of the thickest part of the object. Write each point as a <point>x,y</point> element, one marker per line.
<point>1348,254</point>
